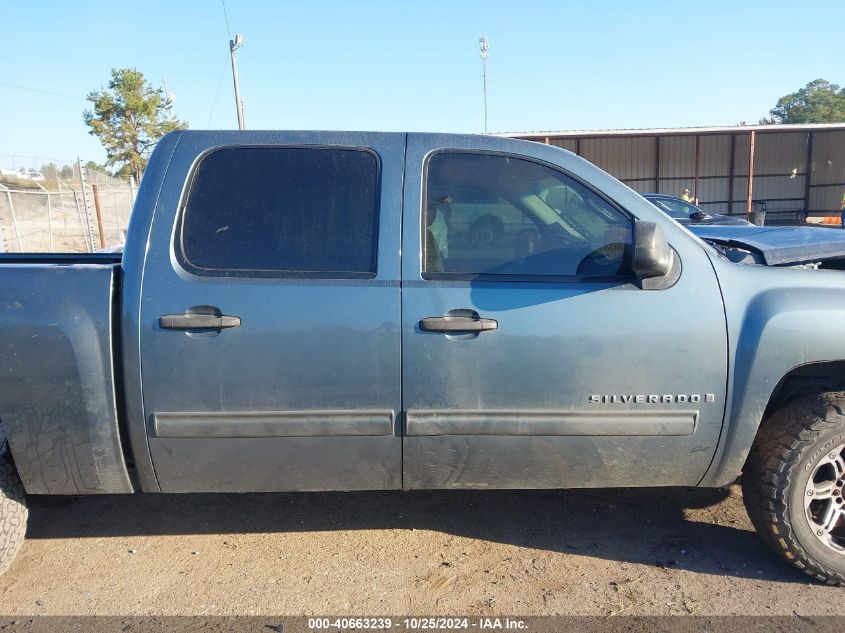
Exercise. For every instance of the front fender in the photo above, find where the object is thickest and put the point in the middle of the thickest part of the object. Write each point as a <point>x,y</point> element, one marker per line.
<point>778,319</point>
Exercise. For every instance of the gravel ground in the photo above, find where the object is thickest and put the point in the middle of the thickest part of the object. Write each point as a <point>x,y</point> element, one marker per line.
<point>624,551</point>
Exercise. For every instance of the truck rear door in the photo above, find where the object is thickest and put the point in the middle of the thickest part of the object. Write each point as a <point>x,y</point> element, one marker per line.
<point>270,314</point>
<point>531,356</point>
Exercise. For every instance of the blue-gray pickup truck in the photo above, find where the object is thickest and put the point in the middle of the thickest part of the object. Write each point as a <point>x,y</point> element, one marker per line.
<point>370,311</point>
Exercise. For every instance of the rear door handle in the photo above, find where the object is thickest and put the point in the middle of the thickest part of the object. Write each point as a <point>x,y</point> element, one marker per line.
<point>189,321</point>
<point>457,324</point>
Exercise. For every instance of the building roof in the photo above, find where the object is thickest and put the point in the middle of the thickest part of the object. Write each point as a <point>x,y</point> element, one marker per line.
<point>678,131</point>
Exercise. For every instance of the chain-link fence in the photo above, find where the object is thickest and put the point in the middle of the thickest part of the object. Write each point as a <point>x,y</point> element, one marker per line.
<point>70,217</point>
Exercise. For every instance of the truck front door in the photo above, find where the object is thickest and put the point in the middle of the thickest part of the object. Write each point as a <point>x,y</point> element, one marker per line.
<point>532,358</point>
<point>270,314</point>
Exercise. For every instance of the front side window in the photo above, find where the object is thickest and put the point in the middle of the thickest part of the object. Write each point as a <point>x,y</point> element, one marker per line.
<point>282,211</point>
<point>489,214</point>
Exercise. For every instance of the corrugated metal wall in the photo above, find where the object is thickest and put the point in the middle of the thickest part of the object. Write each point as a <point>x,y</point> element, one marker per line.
<point>668,163</point>
<point>828,170</point>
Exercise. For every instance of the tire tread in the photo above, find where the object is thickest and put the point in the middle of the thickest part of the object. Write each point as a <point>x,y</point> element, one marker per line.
<point>767,478</point>
<point>13,510</point>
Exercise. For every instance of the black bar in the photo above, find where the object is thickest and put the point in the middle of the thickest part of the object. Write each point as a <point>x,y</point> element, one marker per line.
<point>424,622</point>
<point>60,258</point>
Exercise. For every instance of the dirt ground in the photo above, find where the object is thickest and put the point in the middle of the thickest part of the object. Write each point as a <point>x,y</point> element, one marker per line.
<point>580,552</point>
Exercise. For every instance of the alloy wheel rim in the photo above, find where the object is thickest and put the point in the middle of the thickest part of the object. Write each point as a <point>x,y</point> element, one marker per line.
<point>824,505</point>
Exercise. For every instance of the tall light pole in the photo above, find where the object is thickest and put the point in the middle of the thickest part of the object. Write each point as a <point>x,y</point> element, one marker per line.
<point>234,45</point>
<point>484,45</point>
<point>169,97</point>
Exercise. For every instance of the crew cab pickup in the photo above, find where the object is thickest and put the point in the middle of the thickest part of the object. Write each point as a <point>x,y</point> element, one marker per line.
<point>370,311</point>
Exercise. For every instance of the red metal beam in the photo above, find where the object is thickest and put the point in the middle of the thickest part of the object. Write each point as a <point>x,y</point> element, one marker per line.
<point>750,192</point>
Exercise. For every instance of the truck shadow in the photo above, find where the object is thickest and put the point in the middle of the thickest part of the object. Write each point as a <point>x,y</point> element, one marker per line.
<point>643,526</point>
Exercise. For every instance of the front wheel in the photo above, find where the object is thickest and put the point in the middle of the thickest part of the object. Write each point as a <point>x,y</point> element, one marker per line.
<point>13,512</point>
<point>793,485</point>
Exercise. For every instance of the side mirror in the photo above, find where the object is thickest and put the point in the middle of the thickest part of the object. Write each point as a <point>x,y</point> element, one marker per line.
<point>653,257</point>
<point>699,216</point>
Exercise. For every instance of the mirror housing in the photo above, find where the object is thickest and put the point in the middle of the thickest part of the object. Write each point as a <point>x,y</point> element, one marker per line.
<point>700,215</point>
<point>653,257</point>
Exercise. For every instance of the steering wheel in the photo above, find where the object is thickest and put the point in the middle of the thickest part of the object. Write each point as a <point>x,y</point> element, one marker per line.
<point>604,261</point>
<point>488,229</point>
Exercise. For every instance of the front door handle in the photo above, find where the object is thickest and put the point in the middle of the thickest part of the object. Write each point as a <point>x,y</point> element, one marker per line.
<point>457,324</point>
<point>197,321</point>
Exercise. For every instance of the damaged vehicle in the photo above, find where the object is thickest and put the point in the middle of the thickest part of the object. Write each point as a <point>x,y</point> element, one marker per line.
<point>300,311</point>
<point>804,246</point>
<point>746,243</point>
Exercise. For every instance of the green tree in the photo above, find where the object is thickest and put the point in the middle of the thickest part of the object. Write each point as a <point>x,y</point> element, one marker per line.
<point>50,170</point>
<point>818,102</point>
<point>93,166</point>
<point>129,118</point>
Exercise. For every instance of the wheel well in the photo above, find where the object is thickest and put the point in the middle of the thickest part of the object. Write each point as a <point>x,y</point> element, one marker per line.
<point>807,380</point>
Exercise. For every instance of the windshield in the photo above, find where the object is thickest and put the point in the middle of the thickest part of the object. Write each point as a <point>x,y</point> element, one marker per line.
<point>673,208</point>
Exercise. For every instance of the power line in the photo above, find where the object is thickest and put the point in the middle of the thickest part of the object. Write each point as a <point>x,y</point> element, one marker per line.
<point>217,92</point>
<point>226,16</point>
<point>46,92</point>
<point>16,160</point>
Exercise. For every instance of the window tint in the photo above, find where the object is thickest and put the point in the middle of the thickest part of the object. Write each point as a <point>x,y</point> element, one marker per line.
<point>500,215</point>
<point>282,211</point>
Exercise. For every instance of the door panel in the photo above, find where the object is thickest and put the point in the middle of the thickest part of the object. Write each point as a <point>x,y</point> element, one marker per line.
<point>586,381</point>
<point>302,393</point>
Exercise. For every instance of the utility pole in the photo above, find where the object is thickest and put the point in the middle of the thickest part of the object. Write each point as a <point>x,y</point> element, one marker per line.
<point>234,45</point>
<point>484,45</point>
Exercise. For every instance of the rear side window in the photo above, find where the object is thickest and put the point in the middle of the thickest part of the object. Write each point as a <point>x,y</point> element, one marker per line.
<point>282,211</point>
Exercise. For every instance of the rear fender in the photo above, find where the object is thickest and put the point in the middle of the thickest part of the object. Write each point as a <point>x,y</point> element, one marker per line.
<point>57,388</point>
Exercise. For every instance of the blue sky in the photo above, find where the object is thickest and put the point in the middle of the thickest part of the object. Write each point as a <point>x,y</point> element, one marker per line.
<point>372,65</point>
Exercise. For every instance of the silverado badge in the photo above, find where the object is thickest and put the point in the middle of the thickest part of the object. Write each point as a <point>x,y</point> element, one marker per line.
<point>678,398</point>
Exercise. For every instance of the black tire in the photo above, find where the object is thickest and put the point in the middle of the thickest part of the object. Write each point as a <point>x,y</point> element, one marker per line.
<point>785,455</point>
<point>13,512</point>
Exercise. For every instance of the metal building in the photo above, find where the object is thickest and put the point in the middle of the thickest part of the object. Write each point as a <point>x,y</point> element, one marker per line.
<point>796,170</point>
